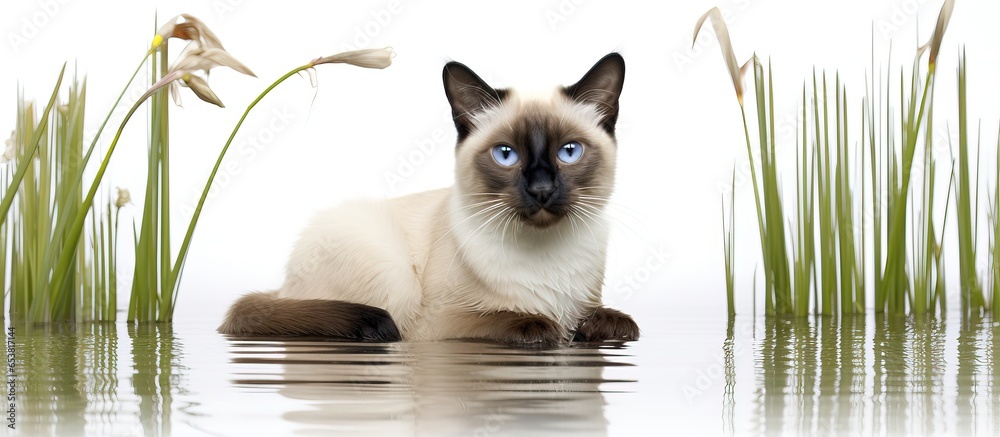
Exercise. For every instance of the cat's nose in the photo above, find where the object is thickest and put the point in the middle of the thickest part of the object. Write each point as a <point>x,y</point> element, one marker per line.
<point>542,190</point>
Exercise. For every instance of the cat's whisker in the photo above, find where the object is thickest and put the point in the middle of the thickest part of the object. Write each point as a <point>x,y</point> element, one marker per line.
<point>614,220</point>
<point>481,194</point>
<point>606,202</point>
<point>503,236</point>
<point>594,215</point>
<point>482,227</point>
<point>576,211</point>
<point>475,233</point>
<point>585,214</point>
<point>477,204</point>
<point>572,224</point>
<point>496,204</point>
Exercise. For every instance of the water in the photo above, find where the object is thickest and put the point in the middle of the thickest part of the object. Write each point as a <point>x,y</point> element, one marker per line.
<point>869,375</point>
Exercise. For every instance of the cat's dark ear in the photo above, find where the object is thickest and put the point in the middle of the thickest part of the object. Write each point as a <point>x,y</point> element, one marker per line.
<point>467,94</point>
<point>602,86</point>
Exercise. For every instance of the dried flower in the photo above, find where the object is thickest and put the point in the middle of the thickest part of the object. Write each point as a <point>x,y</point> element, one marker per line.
<point>934,43</point>
<point>367,58</point>
<point>200,87</point>
<point>10,151</point>
<point>191,29</point>
<point>124,197</point>
<point>194,59</point>
<point>722,34</point>
<point>204,59</point>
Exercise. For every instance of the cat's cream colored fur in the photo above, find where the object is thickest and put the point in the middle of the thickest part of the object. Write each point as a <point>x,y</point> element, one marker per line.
<point>445,263</point>
<point>432,258</point>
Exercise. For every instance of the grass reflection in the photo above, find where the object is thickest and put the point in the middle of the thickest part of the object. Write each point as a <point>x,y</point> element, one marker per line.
<point>876,375</point>
<point>155,373</point>
<point>66,378</point>
<point>70,380</point>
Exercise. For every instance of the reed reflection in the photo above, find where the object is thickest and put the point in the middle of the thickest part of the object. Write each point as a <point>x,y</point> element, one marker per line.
<point>156,372</point>
<point>435,388</point>
<point>729,391</point>
<point>977,375</point>
<point>821,376</point>
<point>66,378</point>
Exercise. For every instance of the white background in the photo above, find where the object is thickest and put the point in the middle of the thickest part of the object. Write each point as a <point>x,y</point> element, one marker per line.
<point>679,132</point>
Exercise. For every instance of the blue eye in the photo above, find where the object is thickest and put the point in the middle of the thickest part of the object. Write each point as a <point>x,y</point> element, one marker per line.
<point>505,155</point>
<point>570,152</point>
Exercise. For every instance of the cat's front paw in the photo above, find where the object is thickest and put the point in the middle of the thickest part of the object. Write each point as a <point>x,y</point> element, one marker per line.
<point>532,329</point>
<point>607,324</point>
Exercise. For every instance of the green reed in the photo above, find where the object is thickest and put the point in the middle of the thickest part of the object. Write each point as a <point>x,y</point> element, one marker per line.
<point>835,157</point>
<point>728,240</point>
<point>47,155</point>
<point>971,289</point>
<point>994,255</point>
<point>61,243</point>
<point>150,298</point>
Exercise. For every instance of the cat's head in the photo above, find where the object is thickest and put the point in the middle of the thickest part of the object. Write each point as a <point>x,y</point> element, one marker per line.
<point>537,158</point>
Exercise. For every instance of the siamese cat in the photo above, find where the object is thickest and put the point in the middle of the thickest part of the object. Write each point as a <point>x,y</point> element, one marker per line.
<point>514,252</point>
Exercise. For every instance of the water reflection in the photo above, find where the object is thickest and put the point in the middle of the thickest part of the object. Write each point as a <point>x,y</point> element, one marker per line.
<point>445,388</point>
<point>68,381</point>
<point>729,391</point>
<point>156,370</point>
<point>868,376</point>
<point>875,375</point>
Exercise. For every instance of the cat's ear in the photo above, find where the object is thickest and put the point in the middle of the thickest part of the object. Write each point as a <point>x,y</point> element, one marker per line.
<point>602,86</point>
<point>467,94</point>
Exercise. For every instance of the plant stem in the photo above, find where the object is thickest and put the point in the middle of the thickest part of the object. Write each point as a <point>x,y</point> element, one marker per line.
<point>175,273</point>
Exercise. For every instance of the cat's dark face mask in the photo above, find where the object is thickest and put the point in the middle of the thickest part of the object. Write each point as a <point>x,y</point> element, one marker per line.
<point>539,159</point>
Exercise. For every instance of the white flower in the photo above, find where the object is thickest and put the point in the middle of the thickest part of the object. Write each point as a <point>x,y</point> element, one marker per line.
<point>367,58</point>
<point>191,29</point>
<point>199,86</point>
<point>10,151</point>
<point>124,197</point>
<point>194,59</point>
<point>204,59</point>
<point>736,72</point>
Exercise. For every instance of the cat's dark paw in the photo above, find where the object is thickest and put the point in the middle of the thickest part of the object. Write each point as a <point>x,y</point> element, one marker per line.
<point>607,324</point>
<point>532,330</point>
<point>375,325</point>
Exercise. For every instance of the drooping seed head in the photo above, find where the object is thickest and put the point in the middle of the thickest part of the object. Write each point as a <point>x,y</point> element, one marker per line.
<point>934,43</point>
<point>722,34</point>
<point>367,58</point>
<point>191,29</point>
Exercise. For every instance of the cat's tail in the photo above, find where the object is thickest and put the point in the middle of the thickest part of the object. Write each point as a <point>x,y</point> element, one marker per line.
<point>265,314</point>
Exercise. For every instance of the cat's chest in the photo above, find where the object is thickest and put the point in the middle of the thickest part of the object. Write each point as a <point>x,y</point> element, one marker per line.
<point>563,268</point>
<point>559,278</point>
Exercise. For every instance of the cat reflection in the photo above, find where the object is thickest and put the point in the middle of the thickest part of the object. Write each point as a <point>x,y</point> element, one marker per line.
<point>434,388</point>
